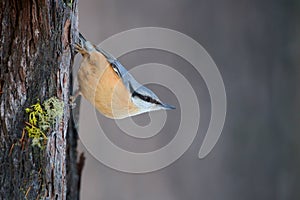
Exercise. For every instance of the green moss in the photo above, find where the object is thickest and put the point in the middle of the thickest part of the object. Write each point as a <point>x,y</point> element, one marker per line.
<point>70,3</point>
<point>41,118</point>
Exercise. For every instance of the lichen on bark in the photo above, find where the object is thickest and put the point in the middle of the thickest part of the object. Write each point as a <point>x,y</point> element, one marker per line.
<point>35,63</point>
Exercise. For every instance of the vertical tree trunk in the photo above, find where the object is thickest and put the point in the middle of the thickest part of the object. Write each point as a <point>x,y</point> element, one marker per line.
<point>35,63</point>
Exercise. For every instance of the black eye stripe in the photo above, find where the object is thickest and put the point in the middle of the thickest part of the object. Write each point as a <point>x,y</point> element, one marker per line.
<point>145,98</point>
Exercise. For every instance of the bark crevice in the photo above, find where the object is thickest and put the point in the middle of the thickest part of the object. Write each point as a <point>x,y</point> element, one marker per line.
<point>35,63</point>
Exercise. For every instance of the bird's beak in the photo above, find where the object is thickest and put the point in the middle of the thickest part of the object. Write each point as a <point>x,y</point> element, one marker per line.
<point>167,106</point>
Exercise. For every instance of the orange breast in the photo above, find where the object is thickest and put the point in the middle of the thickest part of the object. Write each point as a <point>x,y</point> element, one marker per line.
<point>100,85</point>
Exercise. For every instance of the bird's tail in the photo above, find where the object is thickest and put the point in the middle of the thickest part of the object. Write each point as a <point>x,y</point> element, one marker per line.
<point>82,45</point>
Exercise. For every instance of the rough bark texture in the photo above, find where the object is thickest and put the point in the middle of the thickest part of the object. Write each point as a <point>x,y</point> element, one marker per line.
<point>35,62</point>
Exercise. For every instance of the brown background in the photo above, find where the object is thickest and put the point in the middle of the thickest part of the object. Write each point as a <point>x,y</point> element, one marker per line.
<point>255,45</point>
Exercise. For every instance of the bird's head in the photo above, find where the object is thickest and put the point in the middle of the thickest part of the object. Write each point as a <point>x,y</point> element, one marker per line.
<point>146,100</point>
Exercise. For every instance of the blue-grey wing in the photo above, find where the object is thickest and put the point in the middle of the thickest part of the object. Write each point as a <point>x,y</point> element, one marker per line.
<point>116,65</point>
<point>128,80</point>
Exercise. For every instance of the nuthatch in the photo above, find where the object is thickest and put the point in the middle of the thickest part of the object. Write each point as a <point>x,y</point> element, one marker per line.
<point>105,83</point>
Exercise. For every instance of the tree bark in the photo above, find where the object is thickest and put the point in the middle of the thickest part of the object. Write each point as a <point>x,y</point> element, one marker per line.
<point>36,57</point>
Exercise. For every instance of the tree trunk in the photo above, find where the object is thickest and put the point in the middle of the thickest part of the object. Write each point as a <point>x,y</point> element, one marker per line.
<point>35,64</point>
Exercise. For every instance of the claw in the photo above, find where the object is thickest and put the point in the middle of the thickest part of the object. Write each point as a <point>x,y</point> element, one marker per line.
<point>73,99</point>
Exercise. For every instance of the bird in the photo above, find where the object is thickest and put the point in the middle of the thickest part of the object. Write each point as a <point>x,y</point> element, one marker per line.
<point>109,87</point>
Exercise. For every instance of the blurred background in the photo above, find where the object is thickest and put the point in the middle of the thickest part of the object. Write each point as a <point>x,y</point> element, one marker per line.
<point>256,46</point>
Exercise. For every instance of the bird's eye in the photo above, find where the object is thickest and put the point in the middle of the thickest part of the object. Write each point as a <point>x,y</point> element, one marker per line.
<point>145,98</point>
